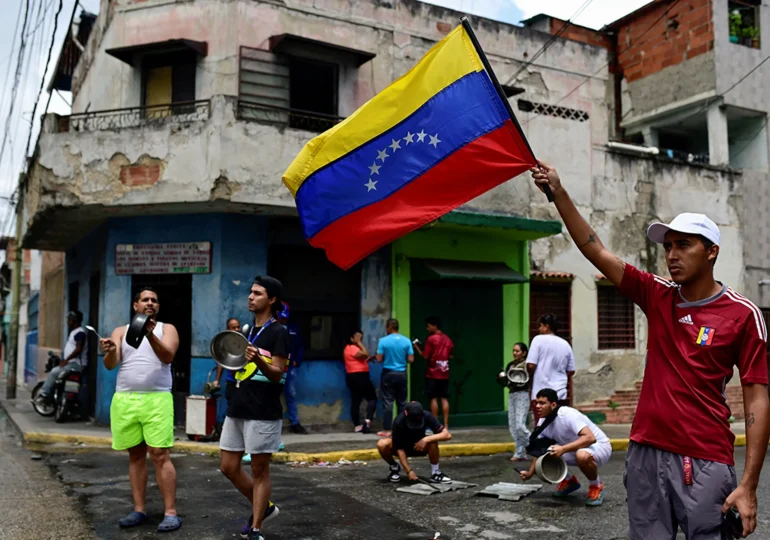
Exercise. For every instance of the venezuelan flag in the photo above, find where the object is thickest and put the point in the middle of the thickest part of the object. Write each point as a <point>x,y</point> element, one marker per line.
<point>434,139</point>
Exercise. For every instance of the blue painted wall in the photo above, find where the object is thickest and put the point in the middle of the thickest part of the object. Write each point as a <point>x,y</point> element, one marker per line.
<point>31,375</point>
<point>239,252</point>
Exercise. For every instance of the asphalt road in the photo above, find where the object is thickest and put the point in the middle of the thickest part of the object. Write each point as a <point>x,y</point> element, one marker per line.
<point>348,502</point>
<point>354,502</point>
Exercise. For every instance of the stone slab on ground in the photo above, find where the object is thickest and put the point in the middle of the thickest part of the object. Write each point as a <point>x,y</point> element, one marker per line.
<point>426,487</point>
<point>505,491</point>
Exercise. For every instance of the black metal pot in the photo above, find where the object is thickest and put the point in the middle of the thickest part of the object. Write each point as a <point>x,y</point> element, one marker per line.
<point>137,330</point>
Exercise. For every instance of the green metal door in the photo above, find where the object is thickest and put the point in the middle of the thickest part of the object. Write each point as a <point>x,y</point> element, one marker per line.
<point>471,313</point>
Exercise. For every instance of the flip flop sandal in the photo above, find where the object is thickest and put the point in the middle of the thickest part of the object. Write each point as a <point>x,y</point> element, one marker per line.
<point>170,523</point>
<point>132,520</point>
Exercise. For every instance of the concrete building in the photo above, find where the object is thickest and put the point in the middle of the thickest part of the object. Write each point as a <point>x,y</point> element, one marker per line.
<point>185,115</point>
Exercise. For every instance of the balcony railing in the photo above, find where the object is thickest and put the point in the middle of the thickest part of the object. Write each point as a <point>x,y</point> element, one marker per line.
<point>136,117</point>
<point>306,120</point>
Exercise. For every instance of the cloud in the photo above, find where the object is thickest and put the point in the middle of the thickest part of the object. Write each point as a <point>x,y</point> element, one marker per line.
<point>597,13</point>
<point>500,10</point>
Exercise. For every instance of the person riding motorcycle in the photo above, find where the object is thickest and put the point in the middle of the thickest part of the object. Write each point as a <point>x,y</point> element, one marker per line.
<point>75,357</point>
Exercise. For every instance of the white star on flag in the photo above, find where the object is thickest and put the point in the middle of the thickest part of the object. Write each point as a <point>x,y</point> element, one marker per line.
<point>395,145</point>
<point>434,140</point>
<point>409,138</point>
<point>375,168</point>
<point>421,135</point>
<point>382,154</point>
<point>371,185</point>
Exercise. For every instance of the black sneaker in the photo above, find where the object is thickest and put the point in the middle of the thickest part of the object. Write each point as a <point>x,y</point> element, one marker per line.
<point>270,512</point>
<point>254,534</point>
<point>297,428</point>
<point>394,476</point>
<point>366,429</point>
<point>440,478</point>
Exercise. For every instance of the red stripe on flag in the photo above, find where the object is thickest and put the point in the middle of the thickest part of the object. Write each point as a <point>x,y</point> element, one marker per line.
<point>474,169</point>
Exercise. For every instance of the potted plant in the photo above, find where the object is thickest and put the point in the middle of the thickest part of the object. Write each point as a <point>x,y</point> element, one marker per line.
<point>749,34</point>
<point>735,26</point>
<point>754,37</point>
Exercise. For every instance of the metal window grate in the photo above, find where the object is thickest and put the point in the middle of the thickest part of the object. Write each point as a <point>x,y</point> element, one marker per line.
<point>616,319</point>
<point>551,297</point>
<point>556,111</point>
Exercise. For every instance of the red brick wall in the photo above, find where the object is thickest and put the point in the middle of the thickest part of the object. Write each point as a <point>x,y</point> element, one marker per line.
<point>581,33</point>
<point>685,32</point>
<point>735,401</point>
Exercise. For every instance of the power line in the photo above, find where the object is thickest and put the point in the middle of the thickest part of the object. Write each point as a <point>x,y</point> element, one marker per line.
<point>617,56</point>
<point>45,71</point>
<point>550,42</point>
<point>17,76</point>
<point>10,55</point>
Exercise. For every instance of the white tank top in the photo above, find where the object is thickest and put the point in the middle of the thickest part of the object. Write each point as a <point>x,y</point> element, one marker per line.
<point>141,370</point>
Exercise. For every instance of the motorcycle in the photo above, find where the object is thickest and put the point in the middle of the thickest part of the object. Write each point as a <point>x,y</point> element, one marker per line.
<point>64,400</point>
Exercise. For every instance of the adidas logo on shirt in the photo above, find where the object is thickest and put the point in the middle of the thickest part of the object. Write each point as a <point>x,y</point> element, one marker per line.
<point>686,320</point>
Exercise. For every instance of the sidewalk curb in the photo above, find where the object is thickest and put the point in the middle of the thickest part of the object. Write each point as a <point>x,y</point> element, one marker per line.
<point>191,447</point>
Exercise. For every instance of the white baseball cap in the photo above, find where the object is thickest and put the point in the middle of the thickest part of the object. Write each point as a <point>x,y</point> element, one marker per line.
<point>687,223</point>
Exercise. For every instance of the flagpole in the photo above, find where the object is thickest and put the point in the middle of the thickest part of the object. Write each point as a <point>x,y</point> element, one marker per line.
<point>476,45</point>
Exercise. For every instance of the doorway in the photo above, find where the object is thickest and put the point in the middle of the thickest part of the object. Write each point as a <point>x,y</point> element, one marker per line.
<point>471,314</point>
<point>175,299</point>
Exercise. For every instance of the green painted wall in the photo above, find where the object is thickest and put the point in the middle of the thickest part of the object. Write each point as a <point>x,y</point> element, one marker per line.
<point>468,243</point>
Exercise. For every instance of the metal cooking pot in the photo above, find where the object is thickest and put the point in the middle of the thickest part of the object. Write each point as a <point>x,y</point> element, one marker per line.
<point>228,349</point>
<point>517,375</point>
<point>550,468</point>
<point>137,330</point>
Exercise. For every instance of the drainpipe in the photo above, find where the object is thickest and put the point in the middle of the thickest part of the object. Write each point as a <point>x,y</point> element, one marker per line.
<point>617,78</point>
<point>10,388</point>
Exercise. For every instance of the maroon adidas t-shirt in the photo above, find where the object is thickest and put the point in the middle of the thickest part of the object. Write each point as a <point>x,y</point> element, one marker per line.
<point>438,349</point>
<point>691,350</point>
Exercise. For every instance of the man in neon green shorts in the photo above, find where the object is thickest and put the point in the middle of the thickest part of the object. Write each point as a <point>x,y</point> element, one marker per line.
<point>142,411</point>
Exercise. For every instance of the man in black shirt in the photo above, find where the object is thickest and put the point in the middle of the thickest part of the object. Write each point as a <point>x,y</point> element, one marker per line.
<point>254,413</point>
<point>409,440</point>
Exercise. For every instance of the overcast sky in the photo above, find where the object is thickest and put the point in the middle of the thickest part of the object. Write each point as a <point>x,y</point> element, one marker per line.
<point>40,29</point>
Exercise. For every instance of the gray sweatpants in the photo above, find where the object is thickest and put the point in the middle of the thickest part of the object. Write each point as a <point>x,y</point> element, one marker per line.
<point>659,501</point>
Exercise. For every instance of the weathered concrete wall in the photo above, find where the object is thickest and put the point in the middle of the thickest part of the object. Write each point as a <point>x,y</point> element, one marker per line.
<point>672,84</point>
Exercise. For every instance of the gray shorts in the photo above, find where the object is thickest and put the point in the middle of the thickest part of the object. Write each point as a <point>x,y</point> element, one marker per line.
<point>659,501</point>
<point>251,436</point>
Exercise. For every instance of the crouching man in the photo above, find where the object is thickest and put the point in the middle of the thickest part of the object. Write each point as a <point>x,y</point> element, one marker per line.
<point>408,440</point>
<point>569,434</point>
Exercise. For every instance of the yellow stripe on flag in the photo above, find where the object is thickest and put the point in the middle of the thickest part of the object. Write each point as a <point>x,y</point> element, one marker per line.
<point>447,61</point>
<point>700,335</point>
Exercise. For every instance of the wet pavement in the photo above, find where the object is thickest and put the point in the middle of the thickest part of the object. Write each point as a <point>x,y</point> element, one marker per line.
<point>352,502</point>
<point>74,493</point>
<point>33,504</point>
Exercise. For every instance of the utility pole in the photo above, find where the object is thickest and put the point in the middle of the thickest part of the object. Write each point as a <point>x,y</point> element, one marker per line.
<point>10,389</point>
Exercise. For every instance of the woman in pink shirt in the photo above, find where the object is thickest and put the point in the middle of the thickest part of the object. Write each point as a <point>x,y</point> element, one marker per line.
<point>357,378</point>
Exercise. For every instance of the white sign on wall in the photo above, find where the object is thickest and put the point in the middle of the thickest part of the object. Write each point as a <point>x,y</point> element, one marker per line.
<point>171,258</point>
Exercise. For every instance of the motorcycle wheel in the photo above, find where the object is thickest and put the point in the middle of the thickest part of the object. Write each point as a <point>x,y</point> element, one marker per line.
<point>42,410</point>
<point>61,410</point>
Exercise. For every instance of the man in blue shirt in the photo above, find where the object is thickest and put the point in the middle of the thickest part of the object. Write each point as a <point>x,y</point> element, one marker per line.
<point>396,352</point>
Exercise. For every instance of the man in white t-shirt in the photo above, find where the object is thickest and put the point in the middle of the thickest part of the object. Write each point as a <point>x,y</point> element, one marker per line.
<point>578,441</point>
<point>75,356</point>
<point>550,361</point>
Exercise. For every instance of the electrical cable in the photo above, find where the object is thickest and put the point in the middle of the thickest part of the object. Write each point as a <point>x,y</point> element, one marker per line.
<point>45,72</point>
<point>550,42</point>
<point>618,56</point>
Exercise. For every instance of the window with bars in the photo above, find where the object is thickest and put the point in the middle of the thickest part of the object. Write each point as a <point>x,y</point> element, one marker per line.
<point>551,297</point>
<point>616,319</point>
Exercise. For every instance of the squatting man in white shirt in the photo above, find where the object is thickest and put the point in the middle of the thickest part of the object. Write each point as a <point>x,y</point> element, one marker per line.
<point>575,439</point>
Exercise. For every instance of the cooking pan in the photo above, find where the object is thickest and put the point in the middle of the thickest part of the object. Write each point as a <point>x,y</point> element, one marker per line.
<point>137,330</point>
<point>228,349</point>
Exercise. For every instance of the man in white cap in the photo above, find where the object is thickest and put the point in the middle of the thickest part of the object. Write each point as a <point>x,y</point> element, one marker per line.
<point>679,466</point>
